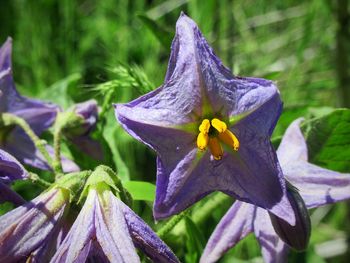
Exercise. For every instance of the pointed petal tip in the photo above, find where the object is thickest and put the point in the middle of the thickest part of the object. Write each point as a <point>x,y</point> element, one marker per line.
<point>185,21</point>
<point>5,55</point>
<point>161,212</point>
<point>8,44</point>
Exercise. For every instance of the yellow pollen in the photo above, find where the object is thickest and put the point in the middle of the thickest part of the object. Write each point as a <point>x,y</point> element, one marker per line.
<point>202,141</point>
<point>213,139</point>
<point>230,139</point>
<point>215,148</point>
<point>220,126</point>
<point>205,126</point>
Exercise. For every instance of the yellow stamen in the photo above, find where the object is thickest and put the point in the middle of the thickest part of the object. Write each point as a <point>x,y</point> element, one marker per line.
<point>204,127</point>
<point>230,139</point>
<point>215,148</point>
<point>202,141</point>
<point>220,126</point>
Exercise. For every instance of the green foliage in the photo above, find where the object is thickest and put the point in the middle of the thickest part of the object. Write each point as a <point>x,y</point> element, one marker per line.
<point>141,190</point>
<point>328,140</point>
<point>195,242</point>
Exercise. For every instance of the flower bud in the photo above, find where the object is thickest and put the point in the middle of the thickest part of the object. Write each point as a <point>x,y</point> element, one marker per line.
<point>296,236</point>
<point>83,120</point>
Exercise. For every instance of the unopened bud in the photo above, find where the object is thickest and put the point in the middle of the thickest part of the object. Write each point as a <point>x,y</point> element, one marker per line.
<point>296,236</point>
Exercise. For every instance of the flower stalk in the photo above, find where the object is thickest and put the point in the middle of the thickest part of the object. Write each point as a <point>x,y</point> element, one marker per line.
<point>39,181</point>
<point>11,119</point>
<point>164,230</point>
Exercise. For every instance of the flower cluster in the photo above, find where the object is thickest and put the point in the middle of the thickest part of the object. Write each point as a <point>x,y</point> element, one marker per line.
<point>211,131</point>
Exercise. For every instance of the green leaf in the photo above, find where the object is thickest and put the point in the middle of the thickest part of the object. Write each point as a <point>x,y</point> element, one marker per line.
<point>195,241</point>
<point>111,135</point>
<point>141,190</point>
<point>59,92</point>
<point>328,140</point>
<point>163,35</point>
<point>6,207</point>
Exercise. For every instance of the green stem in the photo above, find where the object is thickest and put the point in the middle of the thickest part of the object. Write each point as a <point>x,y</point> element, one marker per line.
<point>57,166</point>
<point>11,119</point>
<point>171,224</point>
<point>37,180</point>
<point>219,199</point>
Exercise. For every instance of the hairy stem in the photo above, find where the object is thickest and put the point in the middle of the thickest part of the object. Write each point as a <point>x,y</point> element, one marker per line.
<point>171,224</point>
<point>57,166</point>
<point>39,181</point>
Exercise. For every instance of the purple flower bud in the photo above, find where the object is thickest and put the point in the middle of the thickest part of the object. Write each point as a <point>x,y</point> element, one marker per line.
<point>28,227</point>
<point>105,230</point>
<point>296,236</point>
<point>80,125</point>
<point>87,114</point>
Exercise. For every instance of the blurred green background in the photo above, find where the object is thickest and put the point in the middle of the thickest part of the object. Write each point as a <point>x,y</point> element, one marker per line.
<point>76,45</point>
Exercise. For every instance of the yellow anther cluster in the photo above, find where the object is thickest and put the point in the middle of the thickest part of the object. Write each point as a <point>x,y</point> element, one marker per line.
<point>213,140</point>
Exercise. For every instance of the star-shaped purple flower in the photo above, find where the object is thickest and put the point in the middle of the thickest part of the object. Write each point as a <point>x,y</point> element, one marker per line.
<point>10,170</point>
<point>317,186</point>
<point>106,230</point>
<point>211,130</point>
<point>39,115</point>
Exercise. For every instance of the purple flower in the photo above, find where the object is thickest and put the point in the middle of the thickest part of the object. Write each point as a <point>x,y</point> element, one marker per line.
<point>10,170</point>
<point>30,226</point>
<point>39,115</point>
<point>211,130</point>
<point>317,186</point>
<point>79,132</point>
<point>106,230</point>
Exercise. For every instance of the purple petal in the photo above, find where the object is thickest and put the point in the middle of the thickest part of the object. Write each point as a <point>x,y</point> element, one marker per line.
<point>48,248</point>
<point>5,56</point>
<point>8,195</point>
<point>98,227</point>
<point>10,168</point>
<point>250,175</point>
<point>236,224</point>
<point>24,150</point>
<point>25,228</point>
<point>76,246</point>
<point>273,249</point>
<point>226,93</point>
<point>37,114</point>
<point>293,146</point>
<point>112,231</point>
<point>318,186</point>
<point>175,191</point>
<point>145,238</point>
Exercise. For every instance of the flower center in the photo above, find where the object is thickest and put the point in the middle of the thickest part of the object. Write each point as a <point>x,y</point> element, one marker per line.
<point>214,132</point>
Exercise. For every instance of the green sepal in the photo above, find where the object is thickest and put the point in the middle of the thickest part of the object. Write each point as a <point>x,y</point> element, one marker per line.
<point>68,120</point>
<point>104,176</point>
<point>73,182</point>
